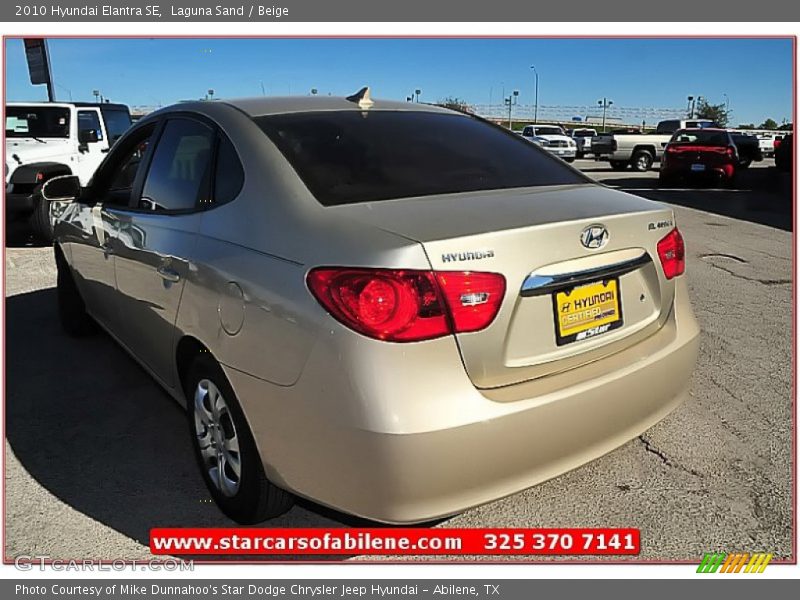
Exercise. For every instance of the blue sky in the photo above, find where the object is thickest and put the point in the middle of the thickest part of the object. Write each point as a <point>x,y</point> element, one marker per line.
<point>756,74</point>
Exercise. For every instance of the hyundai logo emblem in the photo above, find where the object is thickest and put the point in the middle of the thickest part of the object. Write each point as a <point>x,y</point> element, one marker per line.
<point>594,237</point>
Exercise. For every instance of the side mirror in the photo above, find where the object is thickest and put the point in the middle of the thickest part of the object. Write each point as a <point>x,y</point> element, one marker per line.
<point>64,188</point>
<point>87,136</point>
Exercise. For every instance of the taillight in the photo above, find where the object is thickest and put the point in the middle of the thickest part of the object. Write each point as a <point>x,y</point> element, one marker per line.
<point>731,151</point>
<point>473,299</point>
<point>672,253</point>
<point>403,305</point>
<point>775,143</point>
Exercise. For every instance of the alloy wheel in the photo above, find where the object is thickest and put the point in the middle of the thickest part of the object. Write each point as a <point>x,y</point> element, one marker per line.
<point>217,438</point>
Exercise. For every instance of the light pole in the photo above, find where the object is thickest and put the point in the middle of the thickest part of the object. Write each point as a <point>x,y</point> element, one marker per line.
<point>536,96</point>
<point>511,101</point>
<point>605,103</point>
<point>727,102</point>
<point>417,93</point>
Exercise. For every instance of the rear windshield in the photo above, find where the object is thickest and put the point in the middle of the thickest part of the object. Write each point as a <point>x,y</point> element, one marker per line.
<point>345,157</point>
<point>583,133</point>
<point>701,138</point>
<point>37,121</point>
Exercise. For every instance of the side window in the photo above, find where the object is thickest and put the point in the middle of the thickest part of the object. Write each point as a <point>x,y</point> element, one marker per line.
<point>228,172</point>
<point>89,119</point>
<point>178,176</point>
<point>528,132</point>
<point>115,179</point>
<point>667,127</point>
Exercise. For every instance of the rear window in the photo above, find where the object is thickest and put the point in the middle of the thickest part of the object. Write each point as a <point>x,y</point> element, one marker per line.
<point>117,122</point>
<point>346,157</point>
<point>701,137</point>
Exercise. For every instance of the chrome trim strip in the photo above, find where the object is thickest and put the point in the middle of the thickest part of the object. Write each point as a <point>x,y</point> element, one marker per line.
<point>538,285</point>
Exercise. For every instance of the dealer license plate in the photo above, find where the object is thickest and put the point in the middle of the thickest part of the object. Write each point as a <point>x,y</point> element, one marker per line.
<point>586,311</point>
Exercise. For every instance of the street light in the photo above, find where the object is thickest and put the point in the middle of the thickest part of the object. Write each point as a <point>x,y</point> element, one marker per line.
<point>511,101</point>
<point>727,102</point>
<point>536,96</point>
<point>605,103</point>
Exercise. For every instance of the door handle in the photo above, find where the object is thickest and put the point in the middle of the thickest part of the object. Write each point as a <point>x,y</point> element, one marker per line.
<point>168,274</point>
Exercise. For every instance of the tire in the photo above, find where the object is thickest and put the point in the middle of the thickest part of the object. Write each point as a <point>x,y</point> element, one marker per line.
<point>641,161</point>
<point>619,165</point>
<point>246,496</point>
<point>40,218</point>
<point>75,321</point>
<point>569,160</point>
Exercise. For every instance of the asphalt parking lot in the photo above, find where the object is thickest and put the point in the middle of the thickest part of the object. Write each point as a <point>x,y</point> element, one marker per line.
<point>97,454</point>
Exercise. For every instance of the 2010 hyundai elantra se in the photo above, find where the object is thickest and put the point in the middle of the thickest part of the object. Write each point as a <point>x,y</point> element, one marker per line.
<point>393,309</point>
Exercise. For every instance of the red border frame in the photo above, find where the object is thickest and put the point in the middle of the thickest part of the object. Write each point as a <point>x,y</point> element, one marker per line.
<point>794,38</point>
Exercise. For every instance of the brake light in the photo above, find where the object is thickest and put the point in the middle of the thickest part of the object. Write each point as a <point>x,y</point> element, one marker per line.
<point>672,253</point>
<point>730,151</point>
<point>404,305</point>
<point>775,143</point>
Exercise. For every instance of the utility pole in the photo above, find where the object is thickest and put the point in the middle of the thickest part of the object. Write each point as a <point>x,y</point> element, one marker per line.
<point>605,103</point>
<point>511,101</point>
<point>536,96</point>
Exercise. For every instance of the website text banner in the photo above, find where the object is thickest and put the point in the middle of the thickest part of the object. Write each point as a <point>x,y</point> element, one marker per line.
<point>386,589</point>
<point>406,11</point>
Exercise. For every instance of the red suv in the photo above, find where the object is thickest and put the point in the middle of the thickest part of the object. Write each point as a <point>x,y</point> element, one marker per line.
<point>699,154</point>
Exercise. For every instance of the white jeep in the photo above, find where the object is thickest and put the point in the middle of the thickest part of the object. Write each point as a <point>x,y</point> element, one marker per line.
<point>47,139</point>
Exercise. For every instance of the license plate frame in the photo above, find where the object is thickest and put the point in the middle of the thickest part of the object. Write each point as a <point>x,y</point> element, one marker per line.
<point>586,328</point>
<point>698,168</point>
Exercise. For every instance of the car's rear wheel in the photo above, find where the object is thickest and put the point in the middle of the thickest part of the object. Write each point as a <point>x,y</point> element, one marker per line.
<point>40,218</point>
<point>570,159</point>
<point>619,165</point>
<point>225,450</point>
<point>642,160</point>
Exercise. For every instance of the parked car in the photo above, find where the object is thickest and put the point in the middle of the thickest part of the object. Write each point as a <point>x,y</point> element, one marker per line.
<point>583,141</point>
<point>47,139</point>
<point>747,148</point>
<point>700,154</point>
<point>552,138</point>
<point>640,150</point>
<point>784,153</point>
<point>395,310</point>
<point>766,143</point>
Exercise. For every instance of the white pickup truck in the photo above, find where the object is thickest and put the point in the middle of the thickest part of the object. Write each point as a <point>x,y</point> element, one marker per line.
<point>46,139</point>
<point>640,150</point>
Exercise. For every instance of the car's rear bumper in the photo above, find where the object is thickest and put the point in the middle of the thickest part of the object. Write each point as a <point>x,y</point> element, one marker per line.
<point>363,453</point>
<point>710,172</point>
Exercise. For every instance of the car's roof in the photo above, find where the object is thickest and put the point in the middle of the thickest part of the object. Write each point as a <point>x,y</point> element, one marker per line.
<point>65,104</point>
<point>715,129</point>
<point>262,106</point>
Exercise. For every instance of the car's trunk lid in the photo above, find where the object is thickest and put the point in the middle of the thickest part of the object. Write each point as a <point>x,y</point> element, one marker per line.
<point>533,238</point>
